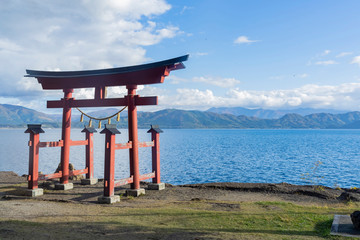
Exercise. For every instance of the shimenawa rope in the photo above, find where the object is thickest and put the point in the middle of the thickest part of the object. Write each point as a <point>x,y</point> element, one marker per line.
<point>100,119</point>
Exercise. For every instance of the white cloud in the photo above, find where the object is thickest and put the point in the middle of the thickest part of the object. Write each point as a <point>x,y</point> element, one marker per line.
<point>326,52</point>
<point>68,35</point>
<point>325,63</point>
<point>192,97</point>
<point>344,96</point>
<point>199,54</point>
<point>84,93</point>
<point>343,54</point>
<point>185,9</point>
<point>303,75</point>
<point>219,82</point>
<point>244,39</point>
<point>149,90</point>
<point>318,59</point>
<point>130,9</point>
<point>7,45</point>
<point>281,77</point>
<point>173,79</point>
<point>29,85</point>
<point>356,60</point>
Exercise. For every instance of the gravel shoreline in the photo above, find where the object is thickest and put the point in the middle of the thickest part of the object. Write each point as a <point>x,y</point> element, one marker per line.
<point>12,186</point>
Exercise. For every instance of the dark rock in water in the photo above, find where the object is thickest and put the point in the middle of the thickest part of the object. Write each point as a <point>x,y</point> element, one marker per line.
<point>355,218</point>
<point>348,196</point>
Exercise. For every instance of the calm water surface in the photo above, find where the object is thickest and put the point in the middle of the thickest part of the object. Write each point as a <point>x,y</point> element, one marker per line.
<point>212,155</point>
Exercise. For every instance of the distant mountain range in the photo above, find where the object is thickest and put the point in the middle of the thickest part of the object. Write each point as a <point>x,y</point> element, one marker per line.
<point>198,119</point>
<point>17,116</point>
<point>270,114</point>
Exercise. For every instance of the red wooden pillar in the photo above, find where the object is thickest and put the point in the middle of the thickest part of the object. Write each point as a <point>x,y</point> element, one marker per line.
<point>155,150</point>
<point>133,137</point>
<point>89,156</point>
<point>66,131</point>
<point>34,130</point>
<point>109,168</point>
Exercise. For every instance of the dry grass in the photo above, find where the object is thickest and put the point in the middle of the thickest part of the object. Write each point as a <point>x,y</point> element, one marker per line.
<point>174,220</point>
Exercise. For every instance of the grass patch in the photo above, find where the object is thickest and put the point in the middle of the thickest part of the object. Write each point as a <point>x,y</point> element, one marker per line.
<point>12,186</point>
<point>191,220</point>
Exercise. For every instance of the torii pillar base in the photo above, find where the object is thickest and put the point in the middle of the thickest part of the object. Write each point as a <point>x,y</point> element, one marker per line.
<point>156,186</point>
<point>135,192</point>
<point>89,181</point>
<point>64,186</point>
<point>109,200</point>
<point>34,192</point>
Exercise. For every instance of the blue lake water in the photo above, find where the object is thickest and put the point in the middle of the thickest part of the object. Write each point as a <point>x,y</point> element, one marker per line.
<point>212,155</point>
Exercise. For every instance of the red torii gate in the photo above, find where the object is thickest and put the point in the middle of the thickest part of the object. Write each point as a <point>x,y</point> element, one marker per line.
<point>130,77</point>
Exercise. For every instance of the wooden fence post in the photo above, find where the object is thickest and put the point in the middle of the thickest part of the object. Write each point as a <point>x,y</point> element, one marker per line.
<point>89,156</point>
<point>109,169</point>
<point>34,130</point>
<point>155,137</point>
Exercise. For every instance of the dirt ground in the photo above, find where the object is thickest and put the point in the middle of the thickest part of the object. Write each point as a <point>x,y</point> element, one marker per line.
<point>15,206</point>
<point>12,188</point>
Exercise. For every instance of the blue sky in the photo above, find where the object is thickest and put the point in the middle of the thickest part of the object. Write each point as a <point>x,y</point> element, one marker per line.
<point>255,54</point>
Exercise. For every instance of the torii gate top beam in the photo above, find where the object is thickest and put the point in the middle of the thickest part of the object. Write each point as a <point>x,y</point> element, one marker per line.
<point>150,73</point>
